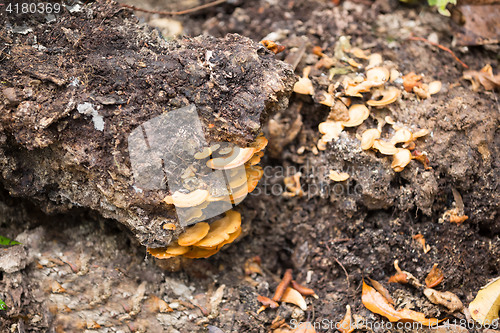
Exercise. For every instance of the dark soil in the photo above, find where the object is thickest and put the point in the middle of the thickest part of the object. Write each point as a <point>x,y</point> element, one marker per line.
<point>362,229</point>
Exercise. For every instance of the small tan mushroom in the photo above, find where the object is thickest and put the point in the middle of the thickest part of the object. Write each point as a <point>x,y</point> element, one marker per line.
<point>338,177</point>
<point>221,229</point>
<point>304,86</point>
<point>169,226</point>
<point>420,133</point>
<point>359,53</point>
<point>203,154</point>
<point>385,147</point>
<point>394,75</point>
<point>259,144</point>
<point>187,200</point>
<point>328,99</point>
<point>434,87</point>
<point>330,129</point>
<point>365,86</point>
<point>389,120</point>
<point>357,114</point>
<point>321,144</point>
<point>375,60</point>
<point>422,91</point>
<point>401,135</point>
<point>294,297</point>
<point>354,63</point>
<point>401,159</point>
<point>388,96</point>
<point>378,74</point>
<point>368,138</point>
<point>238,157</point>
<point>194,234</point>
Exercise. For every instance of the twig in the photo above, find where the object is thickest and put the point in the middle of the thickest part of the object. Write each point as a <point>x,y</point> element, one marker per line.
<point>182,12</point>
<point>441,47</point>
<point>340,264</point>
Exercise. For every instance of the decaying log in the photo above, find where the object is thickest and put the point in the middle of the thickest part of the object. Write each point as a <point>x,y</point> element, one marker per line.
<point>75,86</point>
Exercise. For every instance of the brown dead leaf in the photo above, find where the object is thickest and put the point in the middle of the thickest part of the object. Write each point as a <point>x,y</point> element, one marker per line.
<point>434,278</point>
<point>381,289</point>
<point>446,298</point>
<point>346,325</point>
<point>484,77</point>
<point>377,303</point>
<point>410,80</point>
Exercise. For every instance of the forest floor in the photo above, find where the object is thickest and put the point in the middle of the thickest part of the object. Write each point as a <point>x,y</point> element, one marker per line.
<point>331,240</point>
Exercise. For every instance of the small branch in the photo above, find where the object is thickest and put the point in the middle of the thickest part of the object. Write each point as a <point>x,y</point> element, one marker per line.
<point>182,12</point>
<point>441,47</point>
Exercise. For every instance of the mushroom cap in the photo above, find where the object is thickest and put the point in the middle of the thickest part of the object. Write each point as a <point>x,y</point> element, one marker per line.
<point>420,133</point>
<point>221,229</point>
<point>365,86</point>
<point>359,53</point>
<point>198,253</point>
<point>172,250</point>
<point>338,176</point>
<point>401,159</point>
<point>254,160</point>
<point>160,253</point>
<point>226,150</point>
<point>232,238</point>
<point>321,144</point>
<point>357,114</point>
<point>385,147</point>
<point>434,87</point>
<point>259,143</point>
<point>238,179</point>
<point>304,86</point>
<point>238,194</point>
<point>378,74</point>
<point>194,234</point>
<point>401,135</point>
<point>175,249</point>
<point>375,60</point>
<point>394,75</point>
<point>207,151</point>
<point>368,138</point>
<point>192,199</point>
<point>328,99</point>
<point>331,128</point>
<point>239,156</point>
<point>388,96</point>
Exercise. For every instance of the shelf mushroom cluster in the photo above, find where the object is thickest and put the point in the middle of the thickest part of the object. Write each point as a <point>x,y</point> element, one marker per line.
<point>376,82</point>
<point>242,174</point>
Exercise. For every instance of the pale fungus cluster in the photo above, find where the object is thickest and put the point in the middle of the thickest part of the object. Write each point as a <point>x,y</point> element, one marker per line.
<point>238,168</point>
<point>378,83</point>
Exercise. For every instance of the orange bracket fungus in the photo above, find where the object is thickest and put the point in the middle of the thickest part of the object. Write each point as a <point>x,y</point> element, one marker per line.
<point>194,234</point>
<point>221,229</point>
<point>239,156</point>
